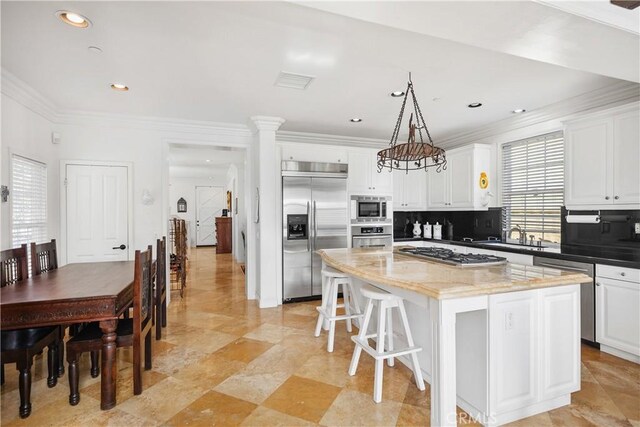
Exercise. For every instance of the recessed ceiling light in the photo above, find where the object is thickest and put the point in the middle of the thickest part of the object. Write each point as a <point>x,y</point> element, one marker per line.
<point>207,160</point>
<point>94,49</point>
<point>397,93</point>
<point>74,19</point>
<point>355,120</point>
<point>475,105</point>
<point>436,99</point>
<point>519,110</point>
<point>119,87</point>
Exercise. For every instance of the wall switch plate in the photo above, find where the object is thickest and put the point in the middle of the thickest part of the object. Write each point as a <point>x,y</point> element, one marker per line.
<point>636,226</point>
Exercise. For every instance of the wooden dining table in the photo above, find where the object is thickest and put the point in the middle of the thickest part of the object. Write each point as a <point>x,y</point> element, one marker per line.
<point>75,293</point>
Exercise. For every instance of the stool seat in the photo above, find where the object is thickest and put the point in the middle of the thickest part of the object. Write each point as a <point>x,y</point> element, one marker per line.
<point>327,312</point>
<point>385,302</point>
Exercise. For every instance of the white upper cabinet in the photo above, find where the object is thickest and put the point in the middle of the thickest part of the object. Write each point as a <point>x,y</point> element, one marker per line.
<point>601,160</point>
<point>314,153</point>
<point>410,190</point>
<point>458,187</point>
<point>363,174</point>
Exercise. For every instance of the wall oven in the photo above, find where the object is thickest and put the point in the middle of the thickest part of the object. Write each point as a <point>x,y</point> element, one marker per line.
<point>369,209</point>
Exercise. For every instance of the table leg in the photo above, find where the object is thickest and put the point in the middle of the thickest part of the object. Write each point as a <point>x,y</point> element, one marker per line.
<point>109,369</point>
<point>443,364</point>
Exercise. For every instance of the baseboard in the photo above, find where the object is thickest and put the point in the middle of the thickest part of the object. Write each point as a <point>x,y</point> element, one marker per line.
<point>619,353</point>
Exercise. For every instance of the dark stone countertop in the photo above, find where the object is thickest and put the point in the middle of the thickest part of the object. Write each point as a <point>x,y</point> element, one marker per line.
<point>620,257</point>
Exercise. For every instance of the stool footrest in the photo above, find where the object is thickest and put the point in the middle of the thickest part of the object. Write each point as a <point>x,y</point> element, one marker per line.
<point>385,355</point>
<point>330,318</point>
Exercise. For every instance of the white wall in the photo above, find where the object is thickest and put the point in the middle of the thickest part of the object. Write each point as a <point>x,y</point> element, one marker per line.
<point>235,184</point>
<point>186,188</point>
<point>28,134</point>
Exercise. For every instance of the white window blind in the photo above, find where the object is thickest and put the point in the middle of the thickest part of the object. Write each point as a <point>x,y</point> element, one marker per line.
<point>533,186</point>
<point>28,201</point>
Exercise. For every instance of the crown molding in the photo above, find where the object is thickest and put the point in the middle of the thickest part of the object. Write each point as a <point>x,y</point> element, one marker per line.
<point>265,123</point>
<point>609,96</point>
<point>325,139</point>
<point>24,94</point>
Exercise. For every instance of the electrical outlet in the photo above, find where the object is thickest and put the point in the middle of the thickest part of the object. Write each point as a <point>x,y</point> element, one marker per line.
<point>637,227</point>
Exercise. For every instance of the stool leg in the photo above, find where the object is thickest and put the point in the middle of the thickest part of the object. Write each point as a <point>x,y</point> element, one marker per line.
<point>361,335</point>
<point>391,360</point>
<point>346,297</point>
<point>333,292</point>
<point>417,373</point>
<point>325,299</point>
<point>356,304</point>
<point>377,381</point>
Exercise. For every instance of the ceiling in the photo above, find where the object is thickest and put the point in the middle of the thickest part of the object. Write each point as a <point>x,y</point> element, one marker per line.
<point>197,161</point>
<point>218,61</point>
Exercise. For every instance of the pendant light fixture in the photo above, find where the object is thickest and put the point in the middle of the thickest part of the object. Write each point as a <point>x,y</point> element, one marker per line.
<point>412,155</point>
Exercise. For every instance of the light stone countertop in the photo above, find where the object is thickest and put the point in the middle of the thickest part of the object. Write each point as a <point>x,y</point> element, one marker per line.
<point>443,281</point>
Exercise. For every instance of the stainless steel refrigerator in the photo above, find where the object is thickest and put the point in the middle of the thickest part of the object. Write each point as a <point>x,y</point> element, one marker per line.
<point>314,216</point>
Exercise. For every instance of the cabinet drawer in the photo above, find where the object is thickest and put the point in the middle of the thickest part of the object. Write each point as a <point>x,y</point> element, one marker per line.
<point>618,273</point>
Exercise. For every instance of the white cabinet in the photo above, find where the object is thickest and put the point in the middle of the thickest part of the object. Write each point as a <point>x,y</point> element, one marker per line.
<point>458,187</point>
<point>618,311</point>
<point>364,177</point>
<point>601,160</point>
<point>410,190</point>
<point>302,152</point>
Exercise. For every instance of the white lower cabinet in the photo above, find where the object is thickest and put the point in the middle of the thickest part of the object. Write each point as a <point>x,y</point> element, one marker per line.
<point>618,311</point>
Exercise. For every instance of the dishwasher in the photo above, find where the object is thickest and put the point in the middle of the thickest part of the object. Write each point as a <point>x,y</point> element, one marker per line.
<point>587,294</point>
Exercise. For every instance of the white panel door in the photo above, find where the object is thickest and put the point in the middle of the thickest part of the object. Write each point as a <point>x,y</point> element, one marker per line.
<point>587,157</point>
<point>381,182</point>
<point>209,204</point>
<point>438,190</point>
<point>359,172</point>
<point>97,213</point>
<point>626,153</point>
<point>617,313</point>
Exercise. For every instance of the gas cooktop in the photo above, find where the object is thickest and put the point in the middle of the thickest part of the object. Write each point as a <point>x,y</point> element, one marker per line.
<point>448,256</point>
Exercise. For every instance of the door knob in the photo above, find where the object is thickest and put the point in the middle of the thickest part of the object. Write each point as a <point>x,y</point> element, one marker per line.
<point>616,197</point>
<point>121,247</point>
<point>606,197</point>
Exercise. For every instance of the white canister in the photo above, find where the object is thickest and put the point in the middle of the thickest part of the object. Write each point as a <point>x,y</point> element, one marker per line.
<point>427,230</point>
<point>417,230</point>
<point>437,231</point>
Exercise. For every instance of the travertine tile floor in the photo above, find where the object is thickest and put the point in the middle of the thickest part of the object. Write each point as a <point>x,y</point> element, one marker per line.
<point>223,361</point>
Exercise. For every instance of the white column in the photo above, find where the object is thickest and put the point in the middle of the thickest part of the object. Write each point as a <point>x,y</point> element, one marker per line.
<point>443,364</point>
<point>266,181</point>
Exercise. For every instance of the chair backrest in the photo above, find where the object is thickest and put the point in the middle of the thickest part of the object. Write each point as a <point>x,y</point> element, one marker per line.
<point>44,257</point>
<point>142,290</point>
<point>14,266</point>
<point>161,266</point>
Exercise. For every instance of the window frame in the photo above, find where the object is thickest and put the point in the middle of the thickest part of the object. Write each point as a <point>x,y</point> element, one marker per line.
<point>546,133</point>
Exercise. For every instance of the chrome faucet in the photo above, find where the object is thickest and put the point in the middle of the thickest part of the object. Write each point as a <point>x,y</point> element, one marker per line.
<point>522,238</point>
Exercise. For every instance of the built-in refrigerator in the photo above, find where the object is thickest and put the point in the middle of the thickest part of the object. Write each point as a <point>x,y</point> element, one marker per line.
<point>314,216</point>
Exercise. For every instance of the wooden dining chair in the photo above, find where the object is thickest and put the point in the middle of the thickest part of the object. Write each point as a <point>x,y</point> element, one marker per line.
<point>160,317</point>
<point>20,346</point>
<point>44,257</point>
<point>130,332</point>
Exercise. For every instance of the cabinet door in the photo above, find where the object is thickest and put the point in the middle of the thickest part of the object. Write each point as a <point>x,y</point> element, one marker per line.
<point>587,158</point>
<point>460,167</point>
<point>617,314</point>
<point>626,152</point>
<point>359,172</point>
<point>398,190</point>
<point>415,190</point>
<point>438,189</point>
<point>381,182</point>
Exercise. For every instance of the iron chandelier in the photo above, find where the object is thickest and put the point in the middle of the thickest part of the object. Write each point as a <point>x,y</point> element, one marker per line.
<point>412,155</point>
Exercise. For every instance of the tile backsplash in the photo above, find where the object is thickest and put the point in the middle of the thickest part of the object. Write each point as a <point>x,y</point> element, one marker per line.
<point>478,225</point>
<point>616,228</point>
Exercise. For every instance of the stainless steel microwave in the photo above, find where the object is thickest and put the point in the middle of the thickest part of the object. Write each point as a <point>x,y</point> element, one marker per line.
<point>368,209</point>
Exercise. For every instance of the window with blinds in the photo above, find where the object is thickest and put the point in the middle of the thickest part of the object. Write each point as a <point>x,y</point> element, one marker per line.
<point>28,201</point>
<point>533,186</point>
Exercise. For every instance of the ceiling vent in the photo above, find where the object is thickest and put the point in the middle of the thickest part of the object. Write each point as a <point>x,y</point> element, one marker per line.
<point>294,81</point>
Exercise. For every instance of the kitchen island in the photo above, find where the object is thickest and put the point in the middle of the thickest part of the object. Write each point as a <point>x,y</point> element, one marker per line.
<point>500,341</point>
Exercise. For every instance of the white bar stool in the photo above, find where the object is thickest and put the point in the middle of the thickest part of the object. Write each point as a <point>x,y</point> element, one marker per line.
<point>331,280</point>
<point>385,302</point>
